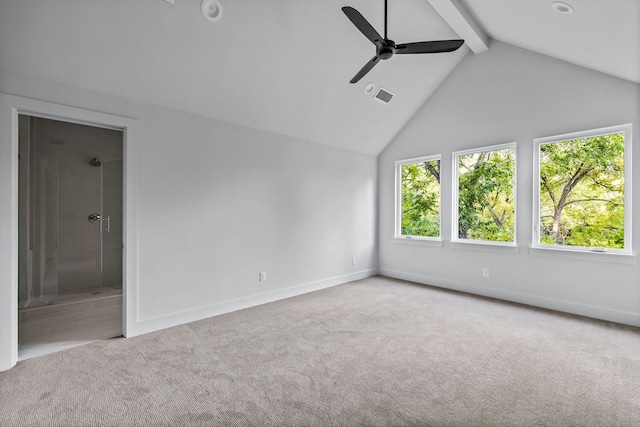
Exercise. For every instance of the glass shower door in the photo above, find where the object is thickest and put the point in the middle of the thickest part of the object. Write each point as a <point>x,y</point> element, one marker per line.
<point>70,219</point>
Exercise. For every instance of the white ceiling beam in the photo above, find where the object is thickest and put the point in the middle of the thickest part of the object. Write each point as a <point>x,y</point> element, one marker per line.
<point>459,18</point>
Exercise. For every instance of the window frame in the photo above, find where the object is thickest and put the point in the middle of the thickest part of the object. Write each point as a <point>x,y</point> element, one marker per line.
<point>398,199</point>
<point>538,142</point>
<point>456,194</point>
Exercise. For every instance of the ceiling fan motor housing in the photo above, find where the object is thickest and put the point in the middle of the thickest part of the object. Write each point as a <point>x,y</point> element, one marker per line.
<point>387,50</point>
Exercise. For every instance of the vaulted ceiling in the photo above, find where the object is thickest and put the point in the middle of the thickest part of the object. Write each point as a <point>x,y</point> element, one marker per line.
<point>603,35</point>
<point>284,66</point>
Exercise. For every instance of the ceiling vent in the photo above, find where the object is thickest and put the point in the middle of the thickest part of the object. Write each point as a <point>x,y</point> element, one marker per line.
<point>383,95</point>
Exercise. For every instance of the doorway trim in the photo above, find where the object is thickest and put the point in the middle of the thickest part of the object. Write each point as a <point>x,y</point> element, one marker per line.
<point>10,107</point>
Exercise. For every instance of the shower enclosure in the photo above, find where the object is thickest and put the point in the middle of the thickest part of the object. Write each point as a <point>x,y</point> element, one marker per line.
<point>69,233</point>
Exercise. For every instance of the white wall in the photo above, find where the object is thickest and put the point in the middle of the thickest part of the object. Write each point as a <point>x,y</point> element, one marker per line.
<point>503,95</point>
<point>219,203</point>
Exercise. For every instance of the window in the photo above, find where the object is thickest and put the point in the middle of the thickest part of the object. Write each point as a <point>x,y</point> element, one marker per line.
<point>484,195</point>
<point>582,191</point>
<point>418,198</point>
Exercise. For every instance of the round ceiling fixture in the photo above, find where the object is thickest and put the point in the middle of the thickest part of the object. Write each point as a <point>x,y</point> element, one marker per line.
<point>211,10</point>
<point>369,88</point>
<point>562,7</point>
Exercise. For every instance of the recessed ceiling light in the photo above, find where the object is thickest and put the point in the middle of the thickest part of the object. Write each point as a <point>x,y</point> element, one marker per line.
<point>562,7</point>
<point>211,10</point>
<point>369,88</point>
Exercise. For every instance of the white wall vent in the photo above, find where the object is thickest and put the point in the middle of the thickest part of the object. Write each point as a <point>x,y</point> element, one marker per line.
<point>383,95</point>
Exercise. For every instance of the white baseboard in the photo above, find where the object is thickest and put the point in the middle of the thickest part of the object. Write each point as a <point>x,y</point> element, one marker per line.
<point>180,318</point>
<point>618,316</point>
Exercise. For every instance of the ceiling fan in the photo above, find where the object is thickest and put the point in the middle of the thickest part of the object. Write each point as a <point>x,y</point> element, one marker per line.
<point>386,48</point>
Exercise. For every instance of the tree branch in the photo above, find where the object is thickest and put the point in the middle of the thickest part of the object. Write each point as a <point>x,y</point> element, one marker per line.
<point>592,200</point>
<point>603,185</point>
<point>495,216</point>
<point>551,195</point>
<point>435,172</point>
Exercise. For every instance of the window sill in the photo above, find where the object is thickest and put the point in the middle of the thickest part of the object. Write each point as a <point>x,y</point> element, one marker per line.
<point>419,241</point>
<point>505,248</point>
<point>583,255</point>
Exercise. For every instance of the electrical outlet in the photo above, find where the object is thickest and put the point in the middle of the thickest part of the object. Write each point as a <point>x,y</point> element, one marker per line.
<point>485,272</point>
<point>263,276</point>
<point>353,261</point>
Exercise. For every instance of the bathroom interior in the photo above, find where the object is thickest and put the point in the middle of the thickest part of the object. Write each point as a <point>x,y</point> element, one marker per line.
<point>70,224</point>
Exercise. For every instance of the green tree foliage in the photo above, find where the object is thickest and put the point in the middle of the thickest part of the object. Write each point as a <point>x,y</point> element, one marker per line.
<point>582,192</point>
<point>486,208</point>
<point>421,199</point>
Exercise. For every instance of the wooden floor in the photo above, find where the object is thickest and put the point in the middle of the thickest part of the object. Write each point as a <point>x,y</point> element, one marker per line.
<point>91,318</point>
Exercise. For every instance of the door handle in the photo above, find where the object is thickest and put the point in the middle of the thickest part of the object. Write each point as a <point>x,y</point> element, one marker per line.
<point>105,223</point>
<point>105,228</point>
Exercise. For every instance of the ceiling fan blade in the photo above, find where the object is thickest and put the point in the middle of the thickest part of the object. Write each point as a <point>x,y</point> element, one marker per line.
<point>367,67</point>
<point>429,47</point>
<point>363,25</point>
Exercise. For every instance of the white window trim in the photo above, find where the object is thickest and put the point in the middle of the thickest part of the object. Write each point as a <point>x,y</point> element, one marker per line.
<point>454,211</point>
<point>536,245</point>
<point>398,236</point>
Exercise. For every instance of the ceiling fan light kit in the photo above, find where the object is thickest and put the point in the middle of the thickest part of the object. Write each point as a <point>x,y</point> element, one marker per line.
<point>211,10</point>
<point>386,48</point>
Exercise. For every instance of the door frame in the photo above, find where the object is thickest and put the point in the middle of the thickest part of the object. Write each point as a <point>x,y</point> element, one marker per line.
<point>10,107</point>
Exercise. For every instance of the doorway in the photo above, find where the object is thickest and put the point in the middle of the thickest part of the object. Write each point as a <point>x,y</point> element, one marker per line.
<point>70,234</point>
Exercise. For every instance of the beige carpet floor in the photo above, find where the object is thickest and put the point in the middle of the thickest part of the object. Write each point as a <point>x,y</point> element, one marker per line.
<point>377,352</point>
